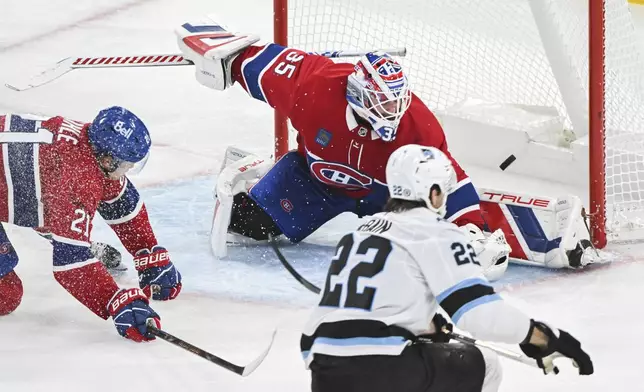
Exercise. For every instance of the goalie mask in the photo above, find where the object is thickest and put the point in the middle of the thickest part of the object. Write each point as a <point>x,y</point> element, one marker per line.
<point>413,170</point>
<point>378,91</point>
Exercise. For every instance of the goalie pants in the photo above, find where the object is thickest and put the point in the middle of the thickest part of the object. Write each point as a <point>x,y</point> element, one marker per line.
<point>438,367</point>
<point>298,203</point>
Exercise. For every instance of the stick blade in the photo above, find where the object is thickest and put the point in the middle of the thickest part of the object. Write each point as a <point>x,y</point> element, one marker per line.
<point>44,77</point>
<point>248,369</point>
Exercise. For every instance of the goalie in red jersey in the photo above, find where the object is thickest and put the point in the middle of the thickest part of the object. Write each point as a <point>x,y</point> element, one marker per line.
<point>57,174</point>
<point>350,118</point>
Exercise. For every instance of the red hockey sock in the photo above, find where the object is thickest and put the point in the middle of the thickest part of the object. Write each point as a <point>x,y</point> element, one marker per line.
<point>10,293</point>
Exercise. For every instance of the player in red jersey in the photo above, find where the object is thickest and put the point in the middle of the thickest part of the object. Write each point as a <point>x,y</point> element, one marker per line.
<point>56,175</point>
<point>349,117</point>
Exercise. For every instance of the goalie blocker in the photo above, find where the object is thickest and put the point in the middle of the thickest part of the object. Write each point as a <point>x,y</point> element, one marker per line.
<point>541,231</point>
<point>212,49</point>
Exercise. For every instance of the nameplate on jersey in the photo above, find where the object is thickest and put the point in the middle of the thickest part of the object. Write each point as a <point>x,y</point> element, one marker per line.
<point>377,226</point>
<point>17,129</point>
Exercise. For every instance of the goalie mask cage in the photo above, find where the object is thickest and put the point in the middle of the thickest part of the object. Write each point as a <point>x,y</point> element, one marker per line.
<point>582,57</point>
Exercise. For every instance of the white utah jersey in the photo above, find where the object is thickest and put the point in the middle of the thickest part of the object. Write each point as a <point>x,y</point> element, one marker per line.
<point>387,280</point>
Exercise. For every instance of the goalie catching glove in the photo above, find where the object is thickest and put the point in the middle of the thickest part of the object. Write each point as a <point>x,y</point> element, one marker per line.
<point>158,277</point>
<point>492,251</point>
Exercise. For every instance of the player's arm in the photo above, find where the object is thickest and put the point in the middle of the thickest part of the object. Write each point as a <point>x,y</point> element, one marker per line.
<point>76,269</point>
<point>452,271</point>
<point>123,210</point>
<point>270,73</point>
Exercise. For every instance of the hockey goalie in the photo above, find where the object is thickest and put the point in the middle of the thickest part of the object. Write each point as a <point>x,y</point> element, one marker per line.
<point>349,119</point>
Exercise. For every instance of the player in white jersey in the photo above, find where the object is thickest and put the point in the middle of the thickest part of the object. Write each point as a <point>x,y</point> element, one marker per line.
<point>387,281</point>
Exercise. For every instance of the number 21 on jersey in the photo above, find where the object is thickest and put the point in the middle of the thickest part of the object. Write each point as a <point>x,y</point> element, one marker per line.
<point>365,259</point>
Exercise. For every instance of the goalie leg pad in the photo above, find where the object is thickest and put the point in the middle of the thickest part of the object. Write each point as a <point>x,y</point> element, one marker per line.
<point>298,203</point>
<point>250,220</point>
<point>541,230</point>
<point>242,171</point>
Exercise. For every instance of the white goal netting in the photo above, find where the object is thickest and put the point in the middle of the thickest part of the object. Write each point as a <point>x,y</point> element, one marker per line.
<point>532,52</point>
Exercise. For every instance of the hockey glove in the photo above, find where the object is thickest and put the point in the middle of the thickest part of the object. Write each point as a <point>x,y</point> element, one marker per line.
<point>440,323</point>
<point>108,255</point>
<point>131,313</point>
<point>158,277</point>
<point>560,344</point>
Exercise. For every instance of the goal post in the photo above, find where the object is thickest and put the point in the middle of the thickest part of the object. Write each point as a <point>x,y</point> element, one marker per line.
<point>280,37</point>
<point>581,58</point>
<point>596,133</point>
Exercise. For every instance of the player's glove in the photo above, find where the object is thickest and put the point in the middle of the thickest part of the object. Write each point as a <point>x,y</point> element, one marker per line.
<point>158,277</point>
<point>108,255</point>
<point>560,344</point>
<point>131,313</point>
<point>440,323</point>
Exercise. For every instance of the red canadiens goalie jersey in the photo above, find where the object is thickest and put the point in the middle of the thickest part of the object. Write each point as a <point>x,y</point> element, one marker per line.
<point>341,151</point>
<point>50,180</point>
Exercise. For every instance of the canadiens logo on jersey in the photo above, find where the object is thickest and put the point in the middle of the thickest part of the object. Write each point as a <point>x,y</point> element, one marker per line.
<point>286,205</point>
<point>338,175</point>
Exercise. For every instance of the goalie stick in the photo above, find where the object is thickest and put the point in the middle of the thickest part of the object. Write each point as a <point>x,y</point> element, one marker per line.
<point>241,370</point>
<point>310,286</point>
<point>69,64</point>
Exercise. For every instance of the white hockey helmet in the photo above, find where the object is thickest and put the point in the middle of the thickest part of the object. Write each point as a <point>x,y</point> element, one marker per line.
<point>413,170</point>
<point>378,91</point>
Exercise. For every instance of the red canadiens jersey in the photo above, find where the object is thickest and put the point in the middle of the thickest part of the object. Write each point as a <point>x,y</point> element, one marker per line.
<point>50,180</point>
<point>341,150</point>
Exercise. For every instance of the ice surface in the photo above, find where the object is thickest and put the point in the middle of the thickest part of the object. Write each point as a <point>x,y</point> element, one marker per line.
<point>230,306</point>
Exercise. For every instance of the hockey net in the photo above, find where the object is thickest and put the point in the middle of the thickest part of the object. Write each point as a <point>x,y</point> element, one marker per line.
<point>532,52</point>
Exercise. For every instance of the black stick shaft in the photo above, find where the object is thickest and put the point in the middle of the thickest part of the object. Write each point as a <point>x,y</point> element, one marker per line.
<point>310,286</point>
<point>195,350</point>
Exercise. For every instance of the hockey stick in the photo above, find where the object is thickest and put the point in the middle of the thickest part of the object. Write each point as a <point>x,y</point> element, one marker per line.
<point>548,363</point>
<point>241,370</point>
<point>310,286</point>
<point>500,351</point>
<point>71,63</point>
